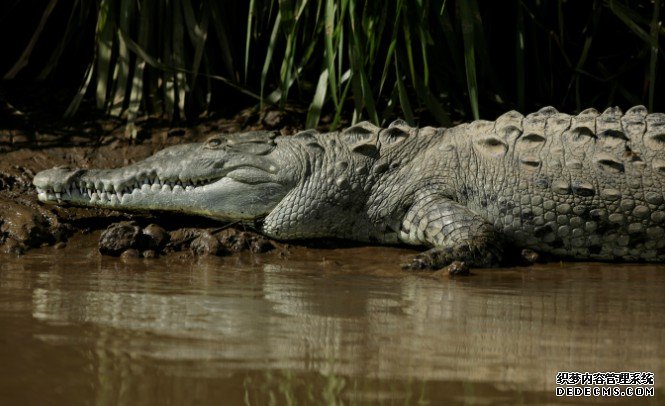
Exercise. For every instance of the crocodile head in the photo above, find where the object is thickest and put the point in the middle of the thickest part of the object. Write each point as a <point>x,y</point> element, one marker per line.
<point>228,177</point>
<point>302,186</point>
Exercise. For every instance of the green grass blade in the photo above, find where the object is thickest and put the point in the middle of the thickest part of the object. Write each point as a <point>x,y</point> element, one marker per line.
<point>391,47</point>
<point>198,34</point>
<point>120,78</point>
<point>386,65</point>
<point>466,20</point>
<point>361,87</point>
<point>286,70</point>
<point>248,38</point>
<point>221,24</point>
<point>54,59</point>
<point>121,75</point>
<point>179,57</point>
<point>106,31</point>
<point>76,101</point>
<point>314,112</point>
<point>456,56</point>
<point>329,34</point>
<point>168,87</point>
<point>269,53</point>
<point>424,38</point>
<point>136,94</point>
<point>22,62</point>
<point>409,48</point>
<point>624,14</point>
<point>403,96</point>
<point>344,81</point>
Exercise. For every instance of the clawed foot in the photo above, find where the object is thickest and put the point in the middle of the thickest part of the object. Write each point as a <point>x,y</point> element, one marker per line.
<point>458,259</point>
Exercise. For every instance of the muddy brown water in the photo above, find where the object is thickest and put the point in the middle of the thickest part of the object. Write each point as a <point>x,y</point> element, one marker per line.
<point>322,326</point>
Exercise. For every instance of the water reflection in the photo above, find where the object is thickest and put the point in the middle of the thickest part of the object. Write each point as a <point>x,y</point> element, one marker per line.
<point>328,325</point>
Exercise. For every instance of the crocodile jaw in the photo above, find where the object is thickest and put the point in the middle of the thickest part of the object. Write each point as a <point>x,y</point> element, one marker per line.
<point>223,198</point>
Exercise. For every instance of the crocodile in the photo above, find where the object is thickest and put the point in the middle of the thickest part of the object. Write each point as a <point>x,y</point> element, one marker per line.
<point>586,187</point>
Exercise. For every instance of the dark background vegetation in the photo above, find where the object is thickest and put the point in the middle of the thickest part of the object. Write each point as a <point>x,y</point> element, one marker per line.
<point>430,62</point>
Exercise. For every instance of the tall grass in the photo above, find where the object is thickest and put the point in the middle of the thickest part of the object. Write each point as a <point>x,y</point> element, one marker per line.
<point>423,60</point>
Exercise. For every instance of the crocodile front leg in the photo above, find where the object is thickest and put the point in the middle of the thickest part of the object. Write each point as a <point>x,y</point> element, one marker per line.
<point>454,232</point>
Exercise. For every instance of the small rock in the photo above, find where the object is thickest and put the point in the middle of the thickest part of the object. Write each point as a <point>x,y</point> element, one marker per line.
<point>149,254</point>
<point>176,132</point>
<point>206,244</point>
<point>530,256</point>
<point>11,246</point>
<point>261,245</point>
<point>273,118</point>
<point>242,242</point>
<point>178,239</point>
<point>24,224</point>
<point>158,237</point>
<point>60,245</point>
<point>458,268</point>
<point>130,253</point>
<point>119,237</point>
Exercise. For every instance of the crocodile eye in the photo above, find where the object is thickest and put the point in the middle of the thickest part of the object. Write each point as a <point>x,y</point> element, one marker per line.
<point>214,142</point>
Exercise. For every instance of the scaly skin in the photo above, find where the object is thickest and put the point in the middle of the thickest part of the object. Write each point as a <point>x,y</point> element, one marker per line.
<point>586,187</point>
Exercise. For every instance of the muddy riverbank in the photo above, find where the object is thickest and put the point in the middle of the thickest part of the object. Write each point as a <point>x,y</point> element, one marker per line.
<point>30,144</point>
